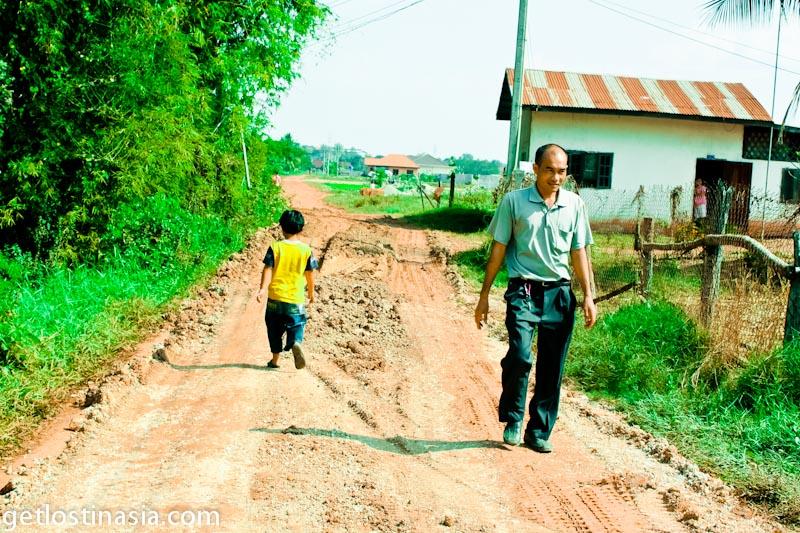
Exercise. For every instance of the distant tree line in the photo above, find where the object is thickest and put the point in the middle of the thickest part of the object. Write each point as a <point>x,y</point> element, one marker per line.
<point>467,164</point>
<point>104,102</point>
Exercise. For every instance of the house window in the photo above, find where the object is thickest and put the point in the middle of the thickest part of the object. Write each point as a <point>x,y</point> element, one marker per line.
<point>790,186</point>
<point>590,169</point>
<point>755,144</point>
<point>409,172</point>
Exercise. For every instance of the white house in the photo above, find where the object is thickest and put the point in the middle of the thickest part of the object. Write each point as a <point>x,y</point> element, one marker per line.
<point>623,133</point>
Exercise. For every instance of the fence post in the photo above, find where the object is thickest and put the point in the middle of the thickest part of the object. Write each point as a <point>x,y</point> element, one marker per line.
<point>452,188</point>
<point>792,327</point>
<point>709,290</point>
<point>648,234</point>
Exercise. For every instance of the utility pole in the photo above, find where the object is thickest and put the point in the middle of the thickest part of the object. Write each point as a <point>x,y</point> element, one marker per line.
<point>516,95</point>
<point>771,124</point>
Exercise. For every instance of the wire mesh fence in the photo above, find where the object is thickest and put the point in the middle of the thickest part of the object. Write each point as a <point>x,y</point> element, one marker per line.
<point>750,310</point>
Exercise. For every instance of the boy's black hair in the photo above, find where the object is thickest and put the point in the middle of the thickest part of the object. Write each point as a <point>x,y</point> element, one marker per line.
<point>292,222</point>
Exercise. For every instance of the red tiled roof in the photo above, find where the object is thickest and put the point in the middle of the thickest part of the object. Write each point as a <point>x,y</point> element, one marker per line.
<point>391,160</point>
<point>695,99</point>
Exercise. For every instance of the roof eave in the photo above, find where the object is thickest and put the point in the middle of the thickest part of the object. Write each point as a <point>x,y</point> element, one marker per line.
<point>699,118</point>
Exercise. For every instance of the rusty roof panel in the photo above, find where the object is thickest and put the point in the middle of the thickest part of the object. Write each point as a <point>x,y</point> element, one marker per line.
<point>578,92</point>
<point>656,94</point>
<point>598,91</point>
<point>713,99</point>
<point>541,96</point>
<point>729,101</point>
<point>737,109</point>
<point>748,101</point>
<point>678,98</point>
<point>558,84</point>
<point>619,94</point>
<point>638,94</point>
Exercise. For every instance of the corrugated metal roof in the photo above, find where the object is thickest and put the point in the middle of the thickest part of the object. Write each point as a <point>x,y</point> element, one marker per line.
<point>391,160</point>
<point>707,100</point>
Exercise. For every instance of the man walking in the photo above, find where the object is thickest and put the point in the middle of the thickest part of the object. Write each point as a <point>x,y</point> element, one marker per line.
<point>537,231</point>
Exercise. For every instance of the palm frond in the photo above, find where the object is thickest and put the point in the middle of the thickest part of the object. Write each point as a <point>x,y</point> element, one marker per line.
<point>793,105</point>
<point>733,12</point>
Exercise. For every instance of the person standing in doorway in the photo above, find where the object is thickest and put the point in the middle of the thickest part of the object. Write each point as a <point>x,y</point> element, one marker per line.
<point>700,211</point>
<point>537,231</point>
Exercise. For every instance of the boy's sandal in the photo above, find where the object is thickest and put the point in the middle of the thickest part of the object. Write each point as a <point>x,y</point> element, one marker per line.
<point>299,357</point>
<point>272,365</point>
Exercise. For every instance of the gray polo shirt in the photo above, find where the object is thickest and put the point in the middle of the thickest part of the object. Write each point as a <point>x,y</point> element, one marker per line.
<point>539,238</point>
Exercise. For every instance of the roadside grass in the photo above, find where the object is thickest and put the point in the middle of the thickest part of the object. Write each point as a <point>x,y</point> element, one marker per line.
<point>62,325</point>
<point>389,205</point>
<point>472,209</point>
<point>339,187</point>
<point>742,423</point>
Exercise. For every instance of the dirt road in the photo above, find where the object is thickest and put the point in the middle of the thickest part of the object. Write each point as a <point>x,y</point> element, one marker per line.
<point>391,427</point>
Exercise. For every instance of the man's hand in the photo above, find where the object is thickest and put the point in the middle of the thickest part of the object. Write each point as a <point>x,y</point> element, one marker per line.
<point>482,311</point>
<point>589,313</point>
<point>260,295</point>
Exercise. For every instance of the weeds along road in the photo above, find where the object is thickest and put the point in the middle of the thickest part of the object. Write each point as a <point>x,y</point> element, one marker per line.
<point>391,427</point>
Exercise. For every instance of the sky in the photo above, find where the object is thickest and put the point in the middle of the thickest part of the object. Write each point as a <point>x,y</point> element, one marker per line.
<point>427,78</point>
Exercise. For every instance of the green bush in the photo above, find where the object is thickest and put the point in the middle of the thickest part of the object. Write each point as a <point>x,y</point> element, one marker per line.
<point>637,350</point>
<point>456,219</point>
<point>477,199</point>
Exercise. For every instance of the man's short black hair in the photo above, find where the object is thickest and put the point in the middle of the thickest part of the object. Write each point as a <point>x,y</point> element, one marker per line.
<point>292,222</point>
<point>544,148</point>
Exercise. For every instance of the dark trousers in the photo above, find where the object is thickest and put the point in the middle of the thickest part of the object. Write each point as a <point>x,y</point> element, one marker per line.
<point>551,309</point>
<point>284,319</point>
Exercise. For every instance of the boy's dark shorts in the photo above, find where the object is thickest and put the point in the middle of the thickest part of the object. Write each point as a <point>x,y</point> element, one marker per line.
<point>282,317</point>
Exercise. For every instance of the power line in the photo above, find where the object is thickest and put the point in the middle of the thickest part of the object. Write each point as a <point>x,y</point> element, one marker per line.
<point>721,49</point>
<point>341,26</point>
<point>343,30</point>
<point>738,43</point>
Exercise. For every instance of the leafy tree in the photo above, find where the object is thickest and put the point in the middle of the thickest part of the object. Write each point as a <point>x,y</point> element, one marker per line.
<point>287,156</point>
<point>354,158</point>
<point>106,101</point>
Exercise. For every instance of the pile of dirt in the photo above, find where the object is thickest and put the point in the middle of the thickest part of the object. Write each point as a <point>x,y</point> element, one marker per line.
<point>354,312</point>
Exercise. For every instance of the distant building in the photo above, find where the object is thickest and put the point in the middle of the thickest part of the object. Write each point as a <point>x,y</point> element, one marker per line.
<point>393,164</point>
<point>621,133</point>
<point>431,165</point>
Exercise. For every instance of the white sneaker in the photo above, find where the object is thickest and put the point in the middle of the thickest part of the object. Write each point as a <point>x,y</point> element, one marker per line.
<point>299,360</point>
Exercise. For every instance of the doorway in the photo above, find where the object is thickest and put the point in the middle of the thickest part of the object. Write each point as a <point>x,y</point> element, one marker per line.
<point>735,174</point>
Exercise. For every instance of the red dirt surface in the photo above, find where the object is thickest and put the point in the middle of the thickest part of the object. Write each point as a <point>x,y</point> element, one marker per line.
<point>392,426</point>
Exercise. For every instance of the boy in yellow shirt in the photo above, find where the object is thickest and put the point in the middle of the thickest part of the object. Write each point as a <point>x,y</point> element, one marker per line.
<point>288,271</point>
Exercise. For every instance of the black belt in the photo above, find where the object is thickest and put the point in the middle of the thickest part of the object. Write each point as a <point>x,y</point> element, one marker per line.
<point>536,284</point>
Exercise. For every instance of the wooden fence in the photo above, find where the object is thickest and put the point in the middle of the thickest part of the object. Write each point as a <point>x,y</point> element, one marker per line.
<point>712,244</point>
